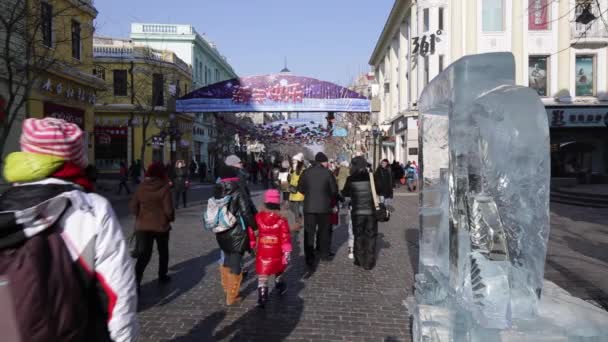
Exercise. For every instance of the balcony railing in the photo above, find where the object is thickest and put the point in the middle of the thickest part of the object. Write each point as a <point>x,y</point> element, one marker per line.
<point>112,51</point>
<point>595,32</point>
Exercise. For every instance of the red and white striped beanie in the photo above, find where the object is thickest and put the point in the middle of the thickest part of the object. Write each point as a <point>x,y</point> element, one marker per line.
<point>55,137</point>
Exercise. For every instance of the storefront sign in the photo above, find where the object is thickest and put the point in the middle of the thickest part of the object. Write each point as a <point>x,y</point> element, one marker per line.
<point>69,114</point>
<point>400,125</point>
<point>425,45</point>
<point>592,116</point>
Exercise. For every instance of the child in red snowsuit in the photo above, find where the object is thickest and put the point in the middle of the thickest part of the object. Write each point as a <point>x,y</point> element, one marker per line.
<point>273,246</point>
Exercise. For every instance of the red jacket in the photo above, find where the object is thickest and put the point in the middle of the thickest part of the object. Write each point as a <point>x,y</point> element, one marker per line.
<point>333,217</point>
<point>274,240</point>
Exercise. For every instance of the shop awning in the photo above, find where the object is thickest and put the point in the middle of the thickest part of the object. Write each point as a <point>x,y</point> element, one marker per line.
<point>273,93</point>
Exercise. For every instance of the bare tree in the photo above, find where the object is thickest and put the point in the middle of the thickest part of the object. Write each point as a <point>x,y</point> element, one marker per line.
<point>28,48</point>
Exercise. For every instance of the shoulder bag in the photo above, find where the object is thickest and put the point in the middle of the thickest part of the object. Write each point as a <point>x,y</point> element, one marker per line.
<point>380,211</point>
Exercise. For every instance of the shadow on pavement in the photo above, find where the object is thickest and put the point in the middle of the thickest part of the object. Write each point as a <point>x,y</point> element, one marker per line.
<point>412,237</point>
<point>595,250</point>
<point>593,291</point>
<point>185,276</point>
<point>582,214</point>
<point>273,323</point>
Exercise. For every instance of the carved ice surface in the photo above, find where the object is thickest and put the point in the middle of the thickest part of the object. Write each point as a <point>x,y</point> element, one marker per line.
<point>484,216</point>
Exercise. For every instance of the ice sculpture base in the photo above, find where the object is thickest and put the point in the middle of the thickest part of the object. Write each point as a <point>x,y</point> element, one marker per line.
<point>561,318</point>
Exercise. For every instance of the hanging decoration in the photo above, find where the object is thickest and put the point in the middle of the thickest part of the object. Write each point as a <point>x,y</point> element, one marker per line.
<point>273,93</point>
<point>288,132</point>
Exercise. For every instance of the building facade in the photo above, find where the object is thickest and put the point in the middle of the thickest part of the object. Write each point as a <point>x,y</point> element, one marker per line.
<point>563,60</point>
<point>62,85</point>
<point>208,66</point>
<point>135,117</point>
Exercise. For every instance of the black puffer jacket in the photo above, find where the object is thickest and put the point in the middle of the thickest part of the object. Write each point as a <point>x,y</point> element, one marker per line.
<point>384,182</point>
<point>358,188</point>
<point>236,239</point>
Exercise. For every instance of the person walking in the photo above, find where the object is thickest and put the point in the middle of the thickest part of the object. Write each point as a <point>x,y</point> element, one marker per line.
<point>273,246</point>
<point>124,177</point>
<point>296,199</point>
<point>62,247</point>
<point>235,241</point>
<point>365,227</point>
<point>153,209</point>
<point>412,177</point>
<point>319,188</point>
<point>384,182</point>
<point>341,179</point>
<point>193,168</point>
<point>283,180</point>
<point>202,171</point>
<point>180,182</point>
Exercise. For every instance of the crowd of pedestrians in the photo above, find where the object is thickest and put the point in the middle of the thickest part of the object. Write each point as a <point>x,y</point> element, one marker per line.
<point>53,213</point>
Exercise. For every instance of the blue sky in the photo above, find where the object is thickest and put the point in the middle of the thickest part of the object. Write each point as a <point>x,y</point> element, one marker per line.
<point>327,39</point>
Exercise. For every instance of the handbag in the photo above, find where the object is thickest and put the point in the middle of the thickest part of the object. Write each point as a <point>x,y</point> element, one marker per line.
<point>381,213</point>
<point>133,246</point>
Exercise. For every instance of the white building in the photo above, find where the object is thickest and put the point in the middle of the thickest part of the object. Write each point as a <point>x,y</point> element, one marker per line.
<point>565,61</point>
<point>208,66</point>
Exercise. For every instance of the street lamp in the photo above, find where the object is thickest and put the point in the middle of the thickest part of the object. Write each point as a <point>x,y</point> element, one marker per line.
<point>375,133</point>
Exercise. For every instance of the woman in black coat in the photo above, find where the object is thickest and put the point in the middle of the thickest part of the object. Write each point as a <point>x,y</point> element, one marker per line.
<point>365,226</point>
<point>384,182</point>
<point>234,242</point>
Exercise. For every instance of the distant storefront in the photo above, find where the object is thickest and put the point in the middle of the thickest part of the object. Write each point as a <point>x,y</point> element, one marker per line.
<point>111,147</point>
<point>69,114</point>
<point>579,142</point>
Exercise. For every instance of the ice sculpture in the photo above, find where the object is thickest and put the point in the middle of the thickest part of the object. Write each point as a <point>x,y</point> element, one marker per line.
<point>484,213</point>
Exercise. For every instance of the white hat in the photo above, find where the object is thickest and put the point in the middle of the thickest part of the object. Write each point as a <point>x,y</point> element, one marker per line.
<point>232,160</point>
<point>298,157</point>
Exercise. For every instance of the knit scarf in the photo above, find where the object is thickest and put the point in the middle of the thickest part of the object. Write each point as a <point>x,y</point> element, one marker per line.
<point>72,173</point>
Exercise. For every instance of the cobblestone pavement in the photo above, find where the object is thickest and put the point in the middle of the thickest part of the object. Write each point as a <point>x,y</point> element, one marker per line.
<point>340,302</point>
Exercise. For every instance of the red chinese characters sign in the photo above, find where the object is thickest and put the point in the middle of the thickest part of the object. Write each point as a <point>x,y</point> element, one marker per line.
<point>69,114</point>
<point>538,18</point>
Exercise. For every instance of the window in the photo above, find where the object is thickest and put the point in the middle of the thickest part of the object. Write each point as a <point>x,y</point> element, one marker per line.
<point>492,15</point>
<point>426,70</point>
<point>426,20</point>
<point>538,15</point>
<point>100,72</point>
<point>206,80</point>
<point>200,71</point>
<point>440,18</point>
<point>158,90</point>
<point>217,75</point>
<point>46,25</point>
<point>120,82</point>
<point>440,63</point>
<point>186,88</point>
<point>537,74</point>
<point>585,83</point>
<point>75,39</point>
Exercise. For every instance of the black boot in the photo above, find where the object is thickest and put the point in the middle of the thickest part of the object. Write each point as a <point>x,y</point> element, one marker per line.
<point>262,296</point>
<point>280,287</point>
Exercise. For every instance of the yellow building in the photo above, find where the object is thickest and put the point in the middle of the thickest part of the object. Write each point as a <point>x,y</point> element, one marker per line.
<point>135,115</point>
<point>64,49</point>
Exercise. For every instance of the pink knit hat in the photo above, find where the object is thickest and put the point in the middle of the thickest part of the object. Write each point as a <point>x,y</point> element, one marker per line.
<point>54,137</point>
<point>272,196</point>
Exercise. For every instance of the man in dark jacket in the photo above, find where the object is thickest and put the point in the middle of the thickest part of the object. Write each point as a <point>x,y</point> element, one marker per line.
<point>365,226</point>
<point>319,187</point>
<point>384,182</point>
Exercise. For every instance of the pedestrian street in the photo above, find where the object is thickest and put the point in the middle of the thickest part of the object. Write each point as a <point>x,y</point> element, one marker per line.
<point>340,302</point>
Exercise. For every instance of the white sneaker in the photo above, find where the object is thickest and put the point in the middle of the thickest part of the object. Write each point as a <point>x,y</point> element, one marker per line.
<point>350,254</point>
